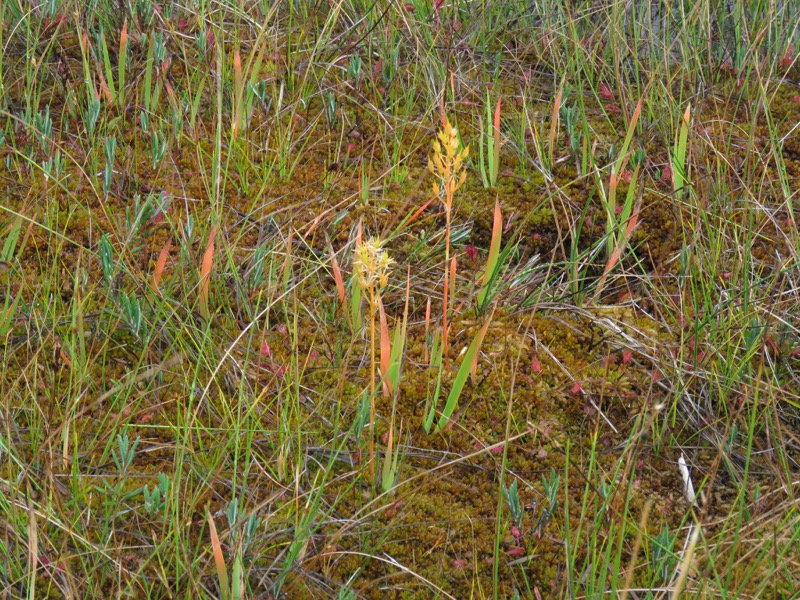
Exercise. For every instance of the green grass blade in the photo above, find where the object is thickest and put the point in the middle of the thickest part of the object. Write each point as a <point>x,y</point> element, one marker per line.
<point>461,377</point>
<point>679,154</point>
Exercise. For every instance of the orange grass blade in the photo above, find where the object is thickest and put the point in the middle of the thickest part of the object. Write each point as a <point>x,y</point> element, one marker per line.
<point>123,38</point>
<point>122,55</point>
<point>623,155</point>
<point>33,552</point>
<point>453,281</point>
<point>427,328</point>
<point>416,213</point>
<point>104,87</point>
<point>238,91</point>
<point>554,125</point>
<point>160,264</point>
<point>219,560</point>
<point>442,115</point>
<point>496,148</point>
<point>386,350</point>
<point>205,273</point>
<point>444,317</point>
<point>387,459</point>
<point>494,253</point>
<point>355,297</point>
<point>615,256</point>
<point>337,276</point>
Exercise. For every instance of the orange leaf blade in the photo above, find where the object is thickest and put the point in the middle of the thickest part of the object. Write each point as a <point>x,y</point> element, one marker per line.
<point>386,349</point>
<point>205,273</point>
<point>337,276</point>
<point>161,263</point>
<point>219,559</point>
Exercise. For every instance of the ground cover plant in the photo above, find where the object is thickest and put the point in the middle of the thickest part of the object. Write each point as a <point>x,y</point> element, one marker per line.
<point>350,299</point>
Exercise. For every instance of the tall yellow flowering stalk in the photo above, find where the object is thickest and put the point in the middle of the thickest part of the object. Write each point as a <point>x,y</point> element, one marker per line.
<point>372,264</point>
<point>447,164</point>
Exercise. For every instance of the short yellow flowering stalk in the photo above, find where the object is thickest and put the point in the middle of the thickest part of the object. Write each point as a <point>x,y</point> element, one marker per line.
<point>447,164</point>
<point>372,264</point>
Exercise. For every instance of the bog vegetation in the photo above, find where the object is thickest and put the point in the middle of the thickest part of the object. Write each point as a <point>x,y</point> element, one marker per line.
<point>370,299</point>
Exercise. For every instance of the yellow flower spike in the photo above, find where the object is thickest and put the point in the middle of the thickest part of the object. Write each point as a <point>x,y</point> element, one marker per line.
<point>454,146</point>
<point>372,265</point>
<point>447,164</point>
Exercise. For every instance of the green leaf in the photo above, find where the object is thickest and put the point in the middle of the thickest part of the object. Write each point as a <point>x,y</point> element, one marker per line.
<point>461,377</point>
<point>679,153</point>
<point>436,360</point>
<point>494,253</point>
<point>7,314</point>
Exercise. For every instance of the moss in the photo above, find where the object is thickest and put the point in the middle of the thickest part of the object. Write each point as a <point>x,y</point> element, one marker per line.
<point>449,515</point>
